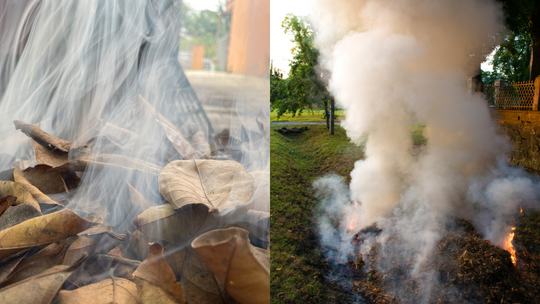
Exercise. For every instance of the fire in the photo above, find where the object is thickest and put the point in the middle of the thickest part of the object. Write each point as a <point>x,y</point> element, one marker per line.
<point>508,246</point>
<point>520,209</point>
<point>353,223</point>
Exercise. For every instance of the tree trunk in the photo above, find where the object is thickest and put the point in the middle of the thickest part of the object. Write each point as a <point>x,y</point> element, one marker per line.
<point>332,116</point>
<point>535,35</point>
<point>326,113</point>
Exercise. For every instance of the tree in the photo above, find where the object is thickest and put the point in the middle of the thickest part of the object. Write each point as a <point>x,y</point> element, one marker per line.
<point>511,60</point>
<point>305,83</point>
<point>201,27</point>
<point>523,20</point>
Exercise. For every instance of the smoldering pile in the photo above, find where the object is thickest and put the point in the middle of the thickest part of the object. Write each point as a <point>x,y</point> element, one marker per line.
<point>465,268</point>
<point>47,251</point>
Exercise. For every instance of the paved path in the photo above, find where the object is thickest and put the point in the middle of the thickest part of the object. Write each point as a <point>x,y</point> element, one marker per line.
<point>274,123</point>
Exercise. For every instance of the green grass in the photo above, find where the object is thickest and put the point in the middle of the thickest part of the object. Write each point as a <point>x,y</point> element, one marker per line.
<point>296,161</point>
<point>307,115</point>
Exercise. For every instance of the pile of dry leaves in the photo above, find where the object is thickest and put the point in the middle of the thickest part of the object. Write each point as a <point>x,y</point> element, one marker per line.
<point>466,268</point>
<point>179,252</point>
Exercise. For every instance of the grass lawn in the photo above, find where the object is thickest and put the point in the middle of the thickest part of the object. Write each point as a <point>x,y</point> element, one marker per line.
<point>296,161</point>
<point>307,115</point>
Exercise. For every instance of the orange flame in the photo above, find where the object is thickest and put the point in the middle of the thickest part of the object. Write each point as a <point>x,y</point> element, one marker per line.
<point>520,209</point>
<point>353,223</point>
<point>508,246</point>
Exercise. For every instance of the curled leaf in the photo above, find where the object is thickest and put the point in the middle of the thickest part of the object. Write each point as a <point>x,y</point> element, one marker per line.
<point>242,268</point>
<point>41,230</point>
<point>39,289</point>
<point>155,270</point>
<point>43,138</point>
<point>23,195</point>
<point>116,290</point>
<point>45,181</point>
<point>6,202</point>
<point>218,185</point>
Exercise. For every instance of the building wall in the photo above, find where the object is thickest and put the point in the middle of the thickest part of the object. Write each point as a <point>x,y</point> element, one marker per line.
<point>249,38</point>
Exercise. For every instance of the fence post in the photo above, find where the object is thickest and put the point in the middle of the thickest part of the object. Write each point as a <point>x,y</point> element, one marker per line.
<point>497,88</point>
<point>536,93</point>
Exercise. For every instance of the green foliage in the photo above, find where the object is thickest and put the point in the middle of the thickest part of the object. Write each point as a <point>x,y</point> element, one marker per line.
<point>304,85</point>
<point>200,27</point>
<point>511,61</point>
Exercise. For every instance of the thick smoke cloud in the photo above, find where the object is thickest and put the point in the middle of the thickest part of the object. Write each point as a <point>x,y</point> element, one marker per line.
<point>397,61</point>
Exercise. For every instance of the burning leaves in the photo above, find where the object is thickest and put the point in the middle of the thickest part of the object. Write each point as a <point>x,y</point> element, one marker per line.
<point>465,268</point>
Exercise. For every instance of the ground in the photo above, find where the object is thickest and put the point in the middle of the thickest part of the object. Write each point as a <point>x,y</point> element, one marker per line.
<point>297,265</point>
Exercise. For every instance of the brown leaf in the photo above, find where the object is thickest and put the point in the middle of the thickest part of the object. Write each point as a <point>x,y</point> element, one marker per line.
<point>42,137</point>
<point>164,223</point>
<point>39,289</point>
<point>50,256</point>
<point>8,264</point>
<point>45,180</point>
<point>53,158</point>
<point>41,230</point>
<point>6,202</point>
<point>23,195</point>
<point>200,284</point>
<point>216,184</point>
<point>117,290</point>
<point>242,268</point>
<point>198,141</point>
<point>155,270</point>
<point>83,245</point>
<point>177,139</point>
<point>17,214</point>
<point>99,162</point>
<point>40,176</point>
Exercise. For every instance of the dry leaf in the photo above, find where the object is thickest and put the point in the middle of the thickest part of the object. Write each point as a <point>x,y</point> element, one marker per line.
<point>41,230</point>
<point>45,180</point>
<point>6,202</point>
<point>50,256</point>
<point>155,270</point>
<point>200,284</point>
<point>242,268</point>
<point>42,137</point>
<point>40,176</point>
<point>39,289</point>
<point>216,184</point>
<point>23,195</point>
<point>163,223</point>
<point>198,141</point>
<point>54,158</point>
<point>100,162</point>
<point>117,290</point>
<point>17,214</point>
<point>83,245</point>
<point>8,264</point>
<point>177,139</point>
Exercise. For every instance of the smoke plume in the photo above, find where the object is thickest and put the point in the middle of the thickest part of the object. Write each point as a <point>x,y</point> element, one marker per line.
<point>397,61</point>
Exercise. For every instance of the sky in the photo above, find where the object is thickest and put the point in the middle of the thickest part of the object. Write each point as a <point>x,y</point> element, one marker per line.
<point>204,4</point>
<point>280,43</point>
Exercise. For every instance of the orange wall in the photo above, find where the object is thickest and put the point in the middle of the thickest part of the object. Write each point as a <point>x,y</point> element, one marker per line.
<point>197,62</point>
<point>249,38</point>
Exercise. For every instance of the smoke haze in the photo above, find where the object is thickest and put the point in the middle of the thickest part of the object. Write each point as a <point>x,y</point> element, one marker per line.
<point>397,61</point>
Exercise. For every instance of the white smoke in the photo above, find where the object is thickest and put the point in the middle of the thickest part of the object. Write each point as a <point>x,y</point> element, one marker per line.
<point>390,61</point>
<point>109,70</point>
